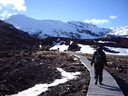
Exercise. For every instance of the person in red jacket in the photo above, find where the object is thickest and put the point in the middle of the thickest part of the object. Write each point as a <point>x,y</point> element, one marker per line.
<point>99,61</point>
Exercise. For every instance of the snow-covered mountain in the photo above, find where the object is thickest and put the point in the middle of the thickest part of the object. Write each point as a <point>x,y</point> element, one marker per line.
<point>119,31</point>
<point>46,28</point>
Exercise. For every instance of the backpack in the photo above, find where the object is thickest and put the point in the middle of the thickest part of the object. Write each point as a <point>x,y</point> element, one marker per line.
<point>98,58</point>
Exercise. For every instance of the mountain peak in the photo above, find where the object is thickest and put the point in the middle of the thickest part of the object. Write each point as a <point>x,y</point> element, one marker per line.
<point>56,28</point>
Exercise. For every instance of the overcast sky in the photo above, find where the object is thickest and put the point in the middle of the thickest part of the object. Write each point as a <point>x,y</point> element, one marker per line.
<point>103,13</point>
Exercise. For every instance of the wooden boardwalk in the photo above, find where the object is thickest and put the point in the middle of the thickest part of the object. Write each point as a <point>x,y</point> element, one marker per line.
<point>109,86</point>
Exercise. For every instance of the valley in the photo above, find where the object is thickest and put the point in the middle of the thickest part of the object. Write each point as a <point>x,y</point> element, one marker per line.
<point>23,64</point>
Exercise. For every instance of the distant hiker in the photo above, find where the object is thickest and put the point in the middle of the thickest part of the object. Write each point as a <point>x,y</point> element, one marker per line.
<point>58,49</point>
<point>40,46</point>
<point>99,61</point>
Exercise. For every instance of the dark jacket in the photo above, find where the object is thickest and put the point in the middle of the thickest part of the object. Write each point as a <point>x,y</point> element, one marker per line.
<point>103,58</point>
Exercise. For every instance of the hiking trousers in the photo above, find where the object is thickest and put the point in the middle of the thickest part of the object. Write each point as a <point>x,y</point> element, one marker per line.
<point>99,73</point>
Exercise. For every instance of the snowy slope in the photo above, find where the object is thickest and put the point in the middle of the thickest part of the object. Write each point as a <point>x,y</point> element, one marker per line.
<point>44,28</point>
<point>119,31</point>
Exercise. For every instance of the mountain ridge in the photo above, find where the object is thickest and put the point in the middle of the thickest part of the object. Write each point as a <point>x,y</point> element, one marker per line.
<point>56,28</point>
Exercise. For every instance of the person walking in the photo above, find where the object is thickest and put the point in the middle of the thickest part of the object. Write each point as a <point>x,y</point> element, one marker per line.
<point>99,61</point>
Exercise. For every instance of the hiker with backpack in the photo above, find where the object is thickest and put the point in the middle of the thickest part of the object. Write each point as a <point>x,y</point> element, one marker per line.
<point>99,61</point>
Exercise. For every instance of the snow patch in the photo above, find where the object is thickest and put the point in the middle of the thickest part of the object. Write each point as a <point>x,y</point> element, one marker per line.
<point>122,51</point>
<point>86,49</point>
<point>39,88</point>
<point>61,47</point>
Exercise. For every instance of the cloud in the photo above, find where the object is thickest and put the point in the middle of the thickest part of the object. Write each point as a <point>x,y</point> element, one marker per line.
<point>5,14</point>
<point>113,17</point>
<point>13,4</point>
<point>97,21</point>
<point>0,7</point>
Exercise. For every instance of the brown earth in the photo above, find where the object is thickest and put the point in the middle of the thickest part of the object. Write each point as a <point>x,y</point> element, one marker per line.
<point>21,70</point>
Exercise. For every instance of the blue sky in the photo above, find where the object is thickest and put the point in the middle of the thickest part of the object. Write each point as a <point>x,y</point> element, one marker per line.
<point>103,13</point>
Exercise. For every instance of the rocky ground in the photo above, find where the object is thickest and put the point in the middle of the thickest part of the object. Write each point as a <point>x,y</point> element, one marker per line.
<point>20,70</point>
<point>118,68</point>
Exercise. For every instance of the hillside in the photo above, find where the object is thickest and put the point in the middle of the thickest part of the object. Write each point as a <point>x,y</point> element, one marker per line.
<point>14,39</point>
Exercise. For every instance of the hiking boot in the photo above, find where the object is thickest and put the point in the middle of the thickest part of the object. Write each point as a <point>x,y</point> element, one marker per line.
<point>100,82</point>
<point>96,82</point>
